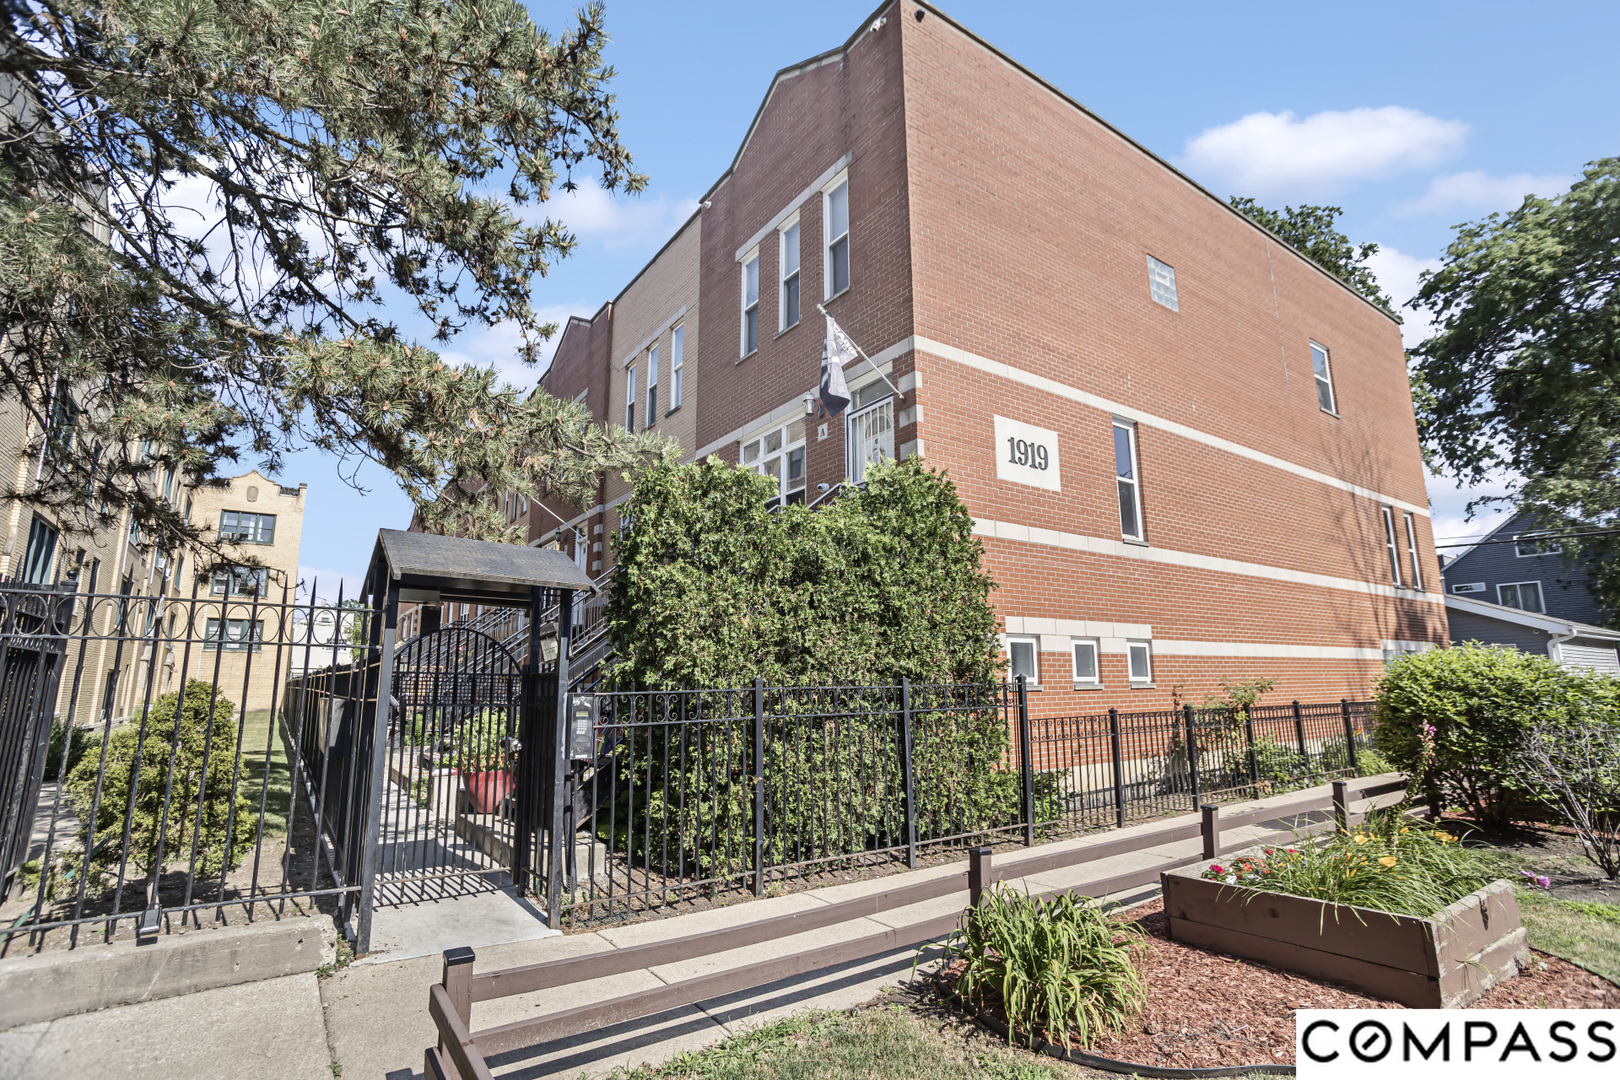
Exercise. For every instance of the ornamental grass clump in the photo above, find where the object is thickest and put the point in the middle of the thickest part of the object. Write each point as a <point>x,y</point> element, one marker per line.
<point>1388,863</point>
<point>1059,968</point>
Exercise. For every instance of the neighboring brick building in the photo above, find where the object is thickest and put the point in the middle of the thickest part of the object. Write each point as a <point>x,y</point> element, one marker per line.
<point>1189,451</point>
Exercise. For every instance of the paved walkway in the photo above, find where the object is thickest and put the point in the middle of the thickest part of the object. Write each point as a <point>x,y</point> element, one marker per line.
<point>375,1013</point>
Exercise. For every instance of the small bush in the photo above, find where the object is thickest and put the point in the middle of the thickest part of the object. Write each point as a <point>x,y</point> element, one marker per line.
<point>1480,702</point>
<point>1059,969</point>
<point>80,742</point>
<point>184,739</point>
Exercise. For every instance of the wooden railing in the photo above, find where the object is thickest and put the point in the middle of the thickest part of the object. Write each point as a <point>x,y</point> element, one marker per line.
<point>461,1052</point>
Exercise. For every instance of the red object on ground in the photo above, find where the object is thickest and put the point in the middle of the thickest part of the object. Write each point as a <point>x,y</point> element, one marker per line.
<point>487,789</point>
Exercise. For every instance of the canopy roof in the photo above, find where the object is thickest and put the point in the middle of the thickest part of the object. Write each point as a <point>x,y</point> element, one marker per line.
<point>430,569</point>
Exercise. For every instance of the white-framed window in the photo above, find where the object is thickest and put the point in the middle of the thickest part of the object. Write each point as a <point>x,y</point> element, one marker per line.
<point>1527,546</point>
<point>1162,283</point>
<point>40,553</point>
<point>1524,595</point>
<point>1129,481</point>
<point>779,454</point>
<point>788,244</point>
<point>677,358</point>
<point>1024,658</point>
<point>1468,587</point>
<point>238,635</point>
<point>1390,545</point>
<point>1085,661</point>
<point>835,230</point>
<point>1412,551</point>
<point>870,436</point>
<point>1324,379</point>
<point>239,581</point>
<point>652,386</point>
<point>630,398</point>
<point>1140,656</point>
<point>244,528</point>
<point>750,304</point>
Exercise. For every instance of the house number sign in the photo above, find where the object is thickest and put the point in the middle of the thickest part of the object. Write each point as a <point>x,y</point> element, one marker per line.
<point>1026,454</point>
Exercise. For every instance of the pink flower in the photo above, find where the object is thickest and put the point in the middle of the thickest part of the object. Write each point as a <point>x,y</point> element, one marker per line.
<point>1215,868</point>
<point>1540,881</point>
<point>1428,729</point>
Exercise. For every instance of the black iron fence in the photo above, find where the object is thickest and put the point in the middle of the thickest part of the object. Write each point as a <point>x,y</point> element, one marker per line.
<point>176,757</point>
<point>688,795</point>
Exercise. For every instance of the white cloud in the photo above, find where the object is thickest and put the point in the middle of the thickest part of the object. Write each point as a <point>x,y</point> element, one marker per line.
<point>614,219</point>
<point>497,346</point>
<point>1397,275</point>
<point>1266,153</point>
<point>1477,191</point>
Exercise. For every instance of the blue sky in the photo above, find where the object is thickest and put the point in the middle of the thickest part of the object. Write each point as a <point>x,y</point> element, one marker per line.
<point>1412,117</point>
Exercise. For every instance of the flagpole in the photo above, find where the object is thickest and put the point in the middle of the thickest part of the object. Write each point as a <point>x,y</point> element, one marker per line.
<point>862,351</point>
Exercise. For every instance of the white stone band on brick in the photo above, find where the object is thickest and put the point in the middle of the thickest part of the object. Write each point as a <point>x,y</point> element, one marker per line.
<point>1097,545</point>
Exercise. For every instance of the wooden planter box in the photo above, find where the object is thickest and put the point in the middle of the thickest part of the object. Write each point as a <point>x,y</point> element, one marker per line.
<point>1445,961</point>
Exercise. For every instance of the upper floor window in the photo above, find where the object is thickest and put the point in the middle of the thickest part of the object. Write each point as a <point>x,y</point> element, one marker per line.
<point>630,398</point>
<point>779,454</point>
<point>1324,379</point>
<point>1162,283</point>
<point>835,222</point>
<point>239,581</point>
<point>246,528</point>
<point>677,357</point>
<point>790,276</point>
<point>1527,544</point>
<point>750,304</point>
<point>652,386</point>
<point>40,553</point>
<point>1389,543</point>
<point>1524,595</point>
<point>1412,550</point>
<point>1130,485</point>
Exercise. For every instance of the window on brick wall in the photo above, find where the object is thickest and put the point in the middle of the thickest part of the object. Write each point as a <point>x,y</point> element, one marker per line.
<point>779,454</point>
<point>677,358</point>
<point>835,225</point>
<point>1412,551</point>
<point>1162,283</point>
<point>750,304</point>
<point>789,263</point>
<point>630,398</point>
<point>1140,655</point>
<point>1085,661</point>
<point>1389,543</point>
<point>652,386</point>
<point>1128,481</point>
<point>246,528</point>
<point>1023,658</point>
<point>1324,379</point>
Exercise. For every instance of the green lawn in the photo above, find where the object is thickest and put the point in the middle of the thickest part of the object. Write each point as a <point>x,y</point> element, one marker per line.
<point>1584,932</point>
<point>255,733</point>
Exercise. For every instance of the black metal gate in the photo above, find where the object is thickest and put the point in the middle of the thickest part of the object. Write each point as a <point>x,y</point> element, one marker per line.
<point>32,644</point>
<point>449,797</point>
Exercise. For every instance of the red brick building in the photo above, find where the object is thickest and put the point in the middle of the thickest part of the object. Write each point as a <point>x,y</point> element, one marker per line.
<point>1189,451</point>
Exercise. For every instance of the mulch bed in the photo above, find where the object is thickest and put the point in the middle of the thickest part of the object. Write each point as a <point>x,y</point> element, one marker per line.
<point>1206,1010</point>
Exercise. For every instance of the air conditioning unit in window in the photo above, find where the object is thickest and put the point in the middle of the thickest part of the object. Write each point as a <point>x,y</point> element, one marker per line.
<point>1467,587</point>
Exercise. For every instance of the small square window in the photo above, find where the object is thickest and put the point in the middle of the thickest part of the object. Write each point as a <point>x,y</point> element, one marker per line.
<point>1023,655</point>
<point>1141,658</point>
<point>1162,283</point>
<point>1085,660</point>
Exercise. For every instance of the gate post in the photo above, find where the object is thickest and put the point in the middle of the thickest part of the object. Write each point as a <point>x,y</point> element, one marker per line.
<point>531,758</point>
<point>1119,775</point>
<point>385,613</point>
<point>1026,765</point>
<point>1299,734</point>
<point>1192,755</point>
<point>759,786</point>
<point>558,743</point>
<point>907,781</point>
<point>1349,737</point>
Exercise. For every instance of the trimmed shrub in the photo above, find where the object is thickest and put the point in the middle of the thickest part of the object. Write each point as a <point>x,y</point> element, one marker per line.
<point>1476,703</point>
<point>206,721</point>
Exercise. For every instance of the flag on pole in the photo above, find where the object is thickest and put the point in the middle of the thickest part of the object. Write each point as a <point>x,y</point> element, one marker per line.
<point>836,351</point>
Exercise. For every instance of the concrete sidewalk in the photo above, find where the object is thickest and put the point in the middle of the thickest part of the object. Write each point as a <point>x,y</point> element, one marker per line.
<point>377,1021</point>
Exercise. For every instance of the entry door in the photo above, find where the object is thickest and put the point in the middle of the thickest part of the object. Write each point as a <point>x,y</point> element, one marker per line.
<point>871,438</point>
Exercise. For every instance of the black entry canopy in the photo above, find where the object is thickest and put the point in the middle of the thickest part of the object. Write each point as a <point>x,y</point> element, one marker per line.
<point>431,569</point>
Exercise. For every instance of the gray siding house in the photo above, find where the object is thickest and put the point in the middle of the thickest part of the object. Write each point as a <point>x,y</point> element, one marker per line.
<point>1521,593</point>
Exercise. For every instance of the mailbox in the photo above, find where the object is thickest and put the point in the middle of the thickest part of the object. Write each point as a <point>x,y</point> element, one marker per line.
<point>582,712</point>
